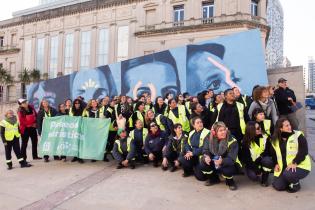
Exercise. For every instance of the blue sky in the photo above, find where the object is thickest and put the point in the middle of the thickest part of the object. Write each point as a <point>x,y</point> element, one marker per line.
<point>299,26</point>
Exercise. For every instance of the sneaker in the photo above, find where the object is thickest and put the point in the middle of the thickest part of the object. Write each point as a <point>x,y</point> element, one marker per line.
<point>119,166</point>
<point>74,159</point>
<point>164,168</point>
<point>186,174</point>
<point>37,158</point>
<point>26,165</point>
<point>173,169</point>
<point>214,179</point>
<point>264,180</point>
<point>93,161</point>
<point>46,160</point>
<point>80,161</point>
<point>231,184</point>
<point>57,158</point>
<point>293,188</point>
<point>10,167</point>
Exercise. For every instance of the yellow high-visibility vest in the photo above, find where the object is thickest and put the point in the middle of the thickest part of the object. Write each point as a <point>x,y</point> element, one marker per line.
<point>11,131</point>
<point>182,119</point>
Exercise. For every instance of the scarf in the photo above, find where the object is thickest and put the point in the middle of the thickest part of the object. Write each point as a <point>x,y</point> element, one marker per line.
<point>11,120</point>
<point>218,147</point>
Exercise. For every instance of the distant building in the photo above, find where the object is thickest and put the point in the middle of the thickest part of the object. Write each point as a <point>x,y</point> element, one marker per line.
<point>274,49</point>
<point>311,74</point>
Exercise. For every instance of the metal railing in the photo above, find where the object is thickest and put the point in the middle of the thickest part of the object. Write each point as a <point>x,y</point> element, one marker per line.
<point>9,48</point>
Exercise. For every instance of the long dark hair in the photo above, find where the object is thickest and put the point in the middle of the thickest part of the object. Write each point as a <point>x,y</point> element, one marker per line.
<point>156,105</point>
<point>277,132</point>
<point>77,112</point>
<point>250,133</point>
<point>175,126</point>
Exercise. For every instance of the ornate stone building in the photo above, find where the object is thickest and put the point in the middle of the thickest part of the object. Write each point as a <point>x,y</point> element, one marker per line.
<point>274,49</point>
<point>59,37</point>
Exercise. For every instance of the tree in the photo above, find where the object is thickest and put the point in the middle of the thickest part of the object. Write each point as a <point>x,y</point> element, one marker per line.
<point>35,75</point>
<point>5,77</point>
<point>25,76</point>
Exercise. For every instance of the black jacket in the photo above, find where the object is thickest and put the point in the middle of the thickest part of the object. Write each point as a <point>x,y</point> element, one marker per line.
<point>41,116</point>
<point>155,143</point>
<point>124,148</point>
<point>175,145</point>
<point>281,95</point>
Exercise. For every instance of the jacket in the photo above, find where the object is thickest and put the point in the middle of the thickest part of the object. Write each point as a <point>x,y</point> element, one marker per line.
<point>41,115</point>
<point>27,119</point>
<point>281,95</point>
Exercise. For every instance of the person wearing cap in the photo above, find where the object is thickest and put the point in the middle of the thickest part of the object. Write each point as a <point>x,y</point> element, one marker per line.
<point>285,99</point>
<point>10,135</point>
<point>190,159</point>
<point>27,120</point>
<point>154,144</point>
<point>124,150</point>
<point>45,111</point>
<point>219,156</point>
<point>138,135</point>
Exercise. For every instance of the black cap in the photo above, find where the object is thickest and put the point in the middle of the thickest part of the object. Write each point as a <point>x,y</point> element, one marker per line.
<point>281,80</point>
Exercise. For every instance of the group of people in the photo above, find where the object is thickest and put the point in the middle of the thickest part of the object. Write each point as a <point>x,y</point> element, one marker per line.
<point>208,135</point>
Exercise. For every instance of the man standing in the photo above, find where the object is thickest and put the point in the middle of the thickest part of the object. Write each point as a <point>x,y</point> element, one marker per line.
<point>285,99</point>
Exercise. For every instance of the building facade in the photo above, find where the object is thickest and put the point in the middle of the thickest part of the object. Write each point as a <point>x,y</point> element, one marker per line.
<point>59,37</point>
<point>311,75</point>
<point>274,49</point>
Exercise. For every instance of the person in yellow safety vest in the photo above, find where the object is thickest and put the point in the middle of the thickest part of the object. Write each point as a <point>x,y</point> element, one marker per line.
<point>180,99</point>
<point>232,114</point>
<point>244,99</point>
<point>265,124</point>
<point>77,111</point>
<point>148,104</point>
<point>110,114</point>
<point>124,150</point>
<point>193,150</point>
<point>160,107</point>
<point>174,148</point>
<point>10,135</point>
<point>154,144</point>
<point>220,156</point>
<point>93,110</point>
<point>68,105</point>
<point>137,115</point>
<point>45,110</point>
<point>138,135</point>
<point>179,114</point>
<point>163,122</point>
<point>290,155</point>
<point>256,153</point>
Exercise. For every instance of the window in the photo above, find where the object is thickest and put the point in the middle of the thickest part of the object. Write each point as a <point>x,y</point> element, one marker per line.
<point>68,53</point>
<point>150,17</point>
<point>254,7</point>
<point>27,54</point>
<point>207,10</point>
<point>103,44</point>
<point>13,40</point>
<point>11,93</point>
<point>85,49</point>
<point>12,69</point>
<point>1,93</point>
<point>178,13</point>
<point>40,55</point>
<point>53,57</point>
<point>1,41</point>
<point>123,43</point>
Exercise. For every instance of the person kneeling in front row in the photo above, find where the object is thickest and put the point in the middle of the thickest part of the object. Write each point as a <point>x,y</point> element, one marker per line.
<point>124,150</point>
<point>290,153</point>
<point>9,129</point>
<point>220,156</point>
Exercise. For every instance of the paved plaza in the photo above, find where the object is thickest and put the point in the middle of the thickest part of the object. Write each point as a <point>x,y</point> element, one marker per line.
<point>59,185</point>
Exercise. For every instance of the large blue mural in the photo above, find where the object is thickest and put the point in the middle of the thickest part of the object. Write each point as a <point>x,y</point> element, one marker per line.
<point>218,64</point>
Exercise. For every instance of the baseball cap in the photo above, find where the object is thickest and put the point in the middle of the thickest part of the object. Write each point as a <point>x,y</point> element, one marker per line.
<point>281,80</point>
<point>21,101</point>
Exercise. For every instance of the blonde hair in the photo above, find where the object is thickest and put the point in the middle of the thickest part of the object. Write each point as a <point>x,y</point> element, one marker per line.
<point>218,125</point>
<point>7,112</point>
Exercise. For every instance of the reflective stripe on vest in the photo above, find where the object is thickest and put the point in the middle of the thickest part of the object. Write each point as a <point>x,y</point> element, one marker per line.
<point>119,145</point>
<point>182,119</point>
<point>240,109</point>
<point>158,121</point>
<point>187,105</point>
<point>237,161</point>
<point>47,115</point>
<point>139,117</point>
<point>267,126</point>
<point>244,99</point>
<point>256,150</point>
<point>10,130</point>
<point>292,150</point>
<point>144,134</point>
<point>203,135</point>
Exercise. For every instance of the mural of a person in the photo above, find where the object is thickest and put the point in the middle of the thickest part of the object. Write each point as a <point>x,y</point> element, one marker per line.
<point>154,74</point>
<point>54,91</point>
<point>205,69</point>
<point>94,83</point>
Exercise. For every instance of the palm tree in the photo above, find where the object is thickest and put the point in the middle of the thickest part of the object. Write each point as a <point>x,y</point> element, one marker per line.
<point>5,77</point>
<point>35,75</point>
<point>25,76</point>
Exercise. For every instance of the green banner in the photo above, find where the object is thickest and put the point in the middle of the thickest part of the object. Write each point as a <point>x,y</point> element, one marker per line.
<point>74,136</point>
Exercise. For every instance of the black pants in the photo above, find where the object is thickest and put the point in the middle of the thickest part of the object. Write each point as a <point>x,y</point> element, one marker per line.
<point>110,141</point>
<point>172,156</point>
<point>15,144</point>
<point>288,177</point>
<point>227,171</point>
<point>158,156</point>
<point>192,166</point>
<point>266,165</point>
<point>29,133</point>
